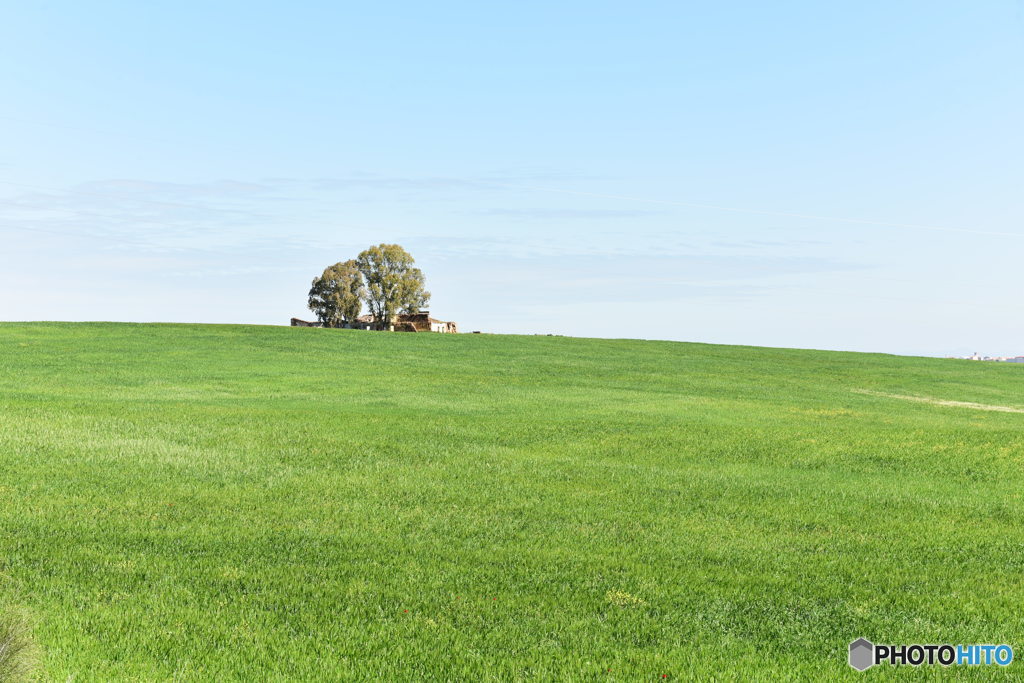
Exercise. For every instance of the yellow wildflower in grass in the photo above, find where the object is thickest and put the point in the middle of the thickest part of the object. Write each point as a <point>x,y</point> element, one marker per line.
<point>624,599</point>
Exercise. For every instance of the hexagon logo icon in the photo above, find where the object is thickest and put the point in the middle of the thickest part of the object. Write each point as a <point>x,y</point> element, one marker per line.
<point>862,654</point>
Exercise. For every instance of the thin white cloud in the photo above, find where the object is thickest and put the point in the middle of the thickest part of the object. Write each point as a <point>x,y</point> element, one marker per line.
<point>569,214</point>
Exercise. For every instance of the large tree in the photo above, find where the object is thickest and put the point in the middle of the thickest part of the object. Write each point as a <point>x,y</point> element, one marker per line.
<point>336,296</point>
<point>393,284</point>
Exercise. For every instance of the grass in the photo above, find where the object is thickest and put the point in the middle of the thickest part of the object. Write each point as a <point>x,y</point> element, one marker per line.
<point>17,650</point>
<point>256,503</point>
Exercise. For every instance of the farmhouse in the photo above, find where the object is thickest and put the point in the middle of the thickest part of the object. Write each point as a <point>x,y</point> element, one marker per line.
<point>409,322</point>
<point>404,322</point>
<point>422,322</point>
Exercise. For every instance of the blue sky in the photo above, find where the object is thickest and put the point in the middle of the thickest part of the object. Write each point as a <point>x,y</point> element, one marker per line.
<point>805,174</point>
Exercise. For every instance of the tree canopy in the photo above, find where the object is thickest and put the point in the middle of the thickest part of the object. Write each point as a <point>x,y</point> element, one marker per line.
<point>336,296</point>
<point>393,284</point>
<point>384,277</point>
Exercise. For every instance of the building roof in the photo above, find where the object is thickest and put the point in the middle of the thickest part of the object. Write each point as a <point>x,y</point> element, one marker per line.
<point>421,317</point>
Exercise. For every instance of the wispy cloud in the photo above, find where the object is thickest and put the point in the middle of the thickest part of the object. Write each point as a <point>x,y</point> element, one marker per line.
<point>274,217</point>
<point>151,190</point>
<point>388,183</point>
<point>569,214</point>
<point>768,212</point>
<point>146,216</point>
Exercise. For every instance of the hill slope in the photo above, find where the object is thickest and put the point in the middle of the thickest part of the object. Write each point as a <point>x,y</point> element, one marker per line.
<point>239,502</point>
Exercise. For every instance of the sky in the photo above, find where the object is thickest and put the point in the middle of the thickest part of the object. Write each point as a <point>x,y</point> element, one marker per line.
<point>801,174</point>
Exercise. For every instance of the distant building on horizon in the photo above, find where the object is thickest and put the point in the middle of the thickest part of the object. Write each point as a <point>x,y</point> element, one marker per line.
<point>422,322</point>
<point>404,322</point>
<point>997,359</point>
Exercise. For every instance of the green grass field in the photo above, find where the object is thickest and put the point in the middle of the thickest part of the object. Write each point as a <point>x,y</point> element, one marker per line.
<point>197,502</point>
